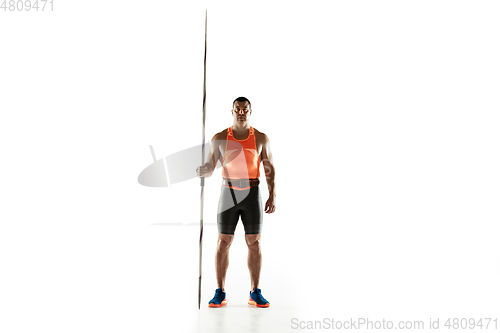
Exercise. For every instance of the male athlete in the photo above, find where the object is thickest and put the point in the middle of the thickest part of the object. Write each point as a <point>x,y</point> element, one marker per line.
<point>240,148</point>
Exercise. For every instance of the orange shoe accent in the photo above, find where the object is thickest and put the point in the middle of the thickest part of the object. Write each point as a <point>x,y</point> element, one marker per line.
<point>252,302</point>
<point>213,305</point>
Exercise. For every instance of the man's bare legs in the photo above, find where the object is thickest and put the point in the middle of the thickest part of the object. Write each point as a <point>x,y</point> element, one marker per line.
<point>254,259</point>
<point>222,258</point>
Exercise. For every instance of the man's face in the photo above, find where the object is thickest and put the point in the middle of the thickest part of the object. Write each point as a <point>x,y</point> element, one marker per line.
<point>241,111</point>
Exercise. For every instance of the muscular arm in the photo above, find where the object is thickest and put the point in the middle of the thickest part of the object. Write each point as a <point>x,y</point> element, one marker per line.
<point>208,168</point>
<point>214,155</point>
<point>267,160</point>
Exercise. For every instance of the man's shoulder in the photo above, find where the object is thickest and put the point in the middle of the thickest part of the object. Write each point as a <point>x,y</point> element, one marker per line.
<point>261,135</point>
<point>222,135</point>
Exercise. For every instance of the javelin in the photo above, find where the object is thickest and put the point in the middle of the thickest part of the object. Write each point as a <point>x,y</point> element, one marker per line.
<point>203,156</point>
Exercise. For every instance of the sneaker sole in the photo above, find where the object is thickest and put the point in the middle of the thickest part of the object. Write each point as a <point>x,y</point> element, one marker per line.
<point>213,305</point>
<point>251,302</point>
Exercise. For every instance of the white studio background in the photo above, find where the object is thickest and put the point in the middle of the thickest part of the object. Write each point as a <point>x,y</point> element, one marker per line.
<point>383,121</point>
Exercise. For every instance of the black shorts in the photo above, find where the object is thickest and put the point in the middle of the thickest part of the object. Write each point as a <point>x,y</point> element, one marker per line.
<point>236,203</point>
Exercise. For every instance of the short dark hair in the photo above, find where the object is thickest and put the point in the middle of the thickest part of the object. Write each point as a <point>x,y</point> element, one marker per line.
<point>242,99</point>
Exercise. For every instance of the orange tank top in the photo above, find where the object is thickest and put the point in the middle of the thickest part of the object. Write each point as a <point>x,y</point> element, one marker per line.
<point>241,159</point>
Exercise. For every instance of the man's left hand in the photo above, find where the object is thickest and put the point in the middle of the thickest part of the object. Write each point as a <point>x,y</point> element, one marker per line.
<point>270,206</point>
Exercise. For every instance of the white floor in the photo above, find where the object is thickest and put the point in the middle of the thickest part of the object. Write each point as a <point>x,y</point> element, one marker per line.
<point>239,317</point>
<point>145,279</point>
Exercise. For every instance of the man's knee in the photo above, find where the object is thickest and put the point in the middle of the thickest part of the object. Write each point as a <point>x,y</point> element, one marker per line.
<point>253,242</point>
<point>224,242</point>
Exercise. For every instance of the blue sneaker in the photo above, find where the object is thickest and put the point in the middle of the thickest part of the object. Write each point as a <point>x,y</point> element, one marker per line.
<point>219,299</point>
<point>257,299</point>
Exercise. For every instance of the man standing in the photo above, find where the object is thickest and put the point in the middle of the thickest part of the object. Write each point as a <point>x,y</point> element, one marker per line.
<point>240,148</point>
